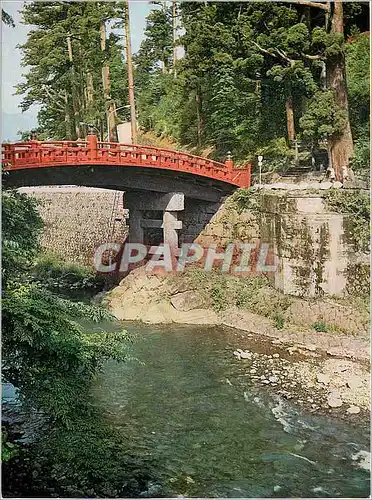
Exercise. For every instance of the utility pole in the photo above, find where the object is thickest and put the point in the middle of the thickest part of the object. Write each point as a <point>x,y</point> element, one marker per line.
<point>174,32</point>
<point>133,120</point>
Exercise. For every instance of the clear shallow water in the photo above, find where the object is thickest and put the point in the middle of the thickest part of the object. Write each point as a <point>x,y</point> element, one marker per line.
<point>214,435</point>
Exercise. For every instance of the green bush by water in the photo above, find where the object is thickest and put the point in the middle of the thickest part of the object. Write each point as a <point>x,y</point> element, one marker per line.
<point>57,274</point>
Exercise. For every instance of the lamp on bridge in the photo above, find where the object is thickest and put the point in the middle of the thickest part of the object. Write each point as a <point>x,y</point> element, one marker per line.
<point>229,161</point>
<point>33,135</point>
<point>91,128</point>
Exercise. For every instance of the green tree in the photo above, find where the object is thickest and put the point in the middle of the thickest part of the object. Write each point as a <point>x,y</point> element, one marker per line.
<point>52,361</point>
<point>21,228</point>
<point>250,72</point>
<point>70,66</point>
<point>358,81</point>
<point>46,354</point>
<point>158,43</point>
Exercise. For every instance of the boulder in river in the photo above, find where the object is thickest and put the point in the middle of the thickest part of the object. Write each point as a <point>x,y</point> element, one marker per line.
<point>353,410</point>
<point>334,400</point>
<point>246,355</point>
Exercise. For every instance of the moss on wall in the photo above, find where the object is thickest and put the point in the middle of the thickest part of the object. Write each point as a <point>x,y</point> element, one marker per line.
<point>322,255</point>
<point>355,204</point>
<point>358,279</point>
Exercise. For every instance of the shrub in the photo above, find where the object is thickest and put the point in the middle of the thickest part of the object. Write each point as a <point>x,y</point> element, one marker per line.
<point>361,158</point>
<point>278,321</point>
<point>320,326</point>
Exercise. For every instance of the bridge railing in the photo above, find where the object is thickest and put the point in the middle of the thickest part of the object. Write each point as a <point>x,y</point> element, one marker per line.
<point>91,151</point>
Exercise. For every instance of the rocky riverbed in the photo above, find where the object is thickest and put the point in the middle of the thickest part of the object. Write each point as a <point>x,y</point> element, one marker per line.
<point>324,371</point>
<point>318,382</point>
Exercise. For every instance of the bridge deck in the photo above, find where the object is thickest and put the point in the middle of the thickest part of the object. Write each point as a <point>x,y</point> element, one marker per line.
<point>38,154</point>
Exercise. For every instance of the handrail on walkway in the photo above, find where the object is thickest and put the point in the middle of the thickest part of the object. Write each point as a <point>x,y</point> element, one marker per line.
<point>38,154</point>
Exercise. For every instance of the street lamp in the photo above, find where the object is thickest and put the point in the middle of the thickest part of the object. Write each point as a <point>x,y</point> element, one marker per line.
<point>91,128</point>
<point>260,160</point>
<point>109,116</point>
<point>117,109</point>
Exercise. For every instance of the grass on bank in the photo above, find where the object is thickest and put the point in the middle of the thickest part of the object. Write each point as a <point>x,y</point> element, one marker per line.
<point>220,291</point>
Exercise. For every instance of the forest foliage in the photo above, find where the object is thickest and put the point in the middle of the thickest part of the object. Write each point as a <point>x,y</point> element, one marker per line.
<point>250,77</point>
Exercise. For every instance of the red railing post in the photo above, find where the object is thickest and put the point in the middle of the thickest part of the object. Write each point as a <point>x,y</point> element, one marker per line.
<point>92,141</point>
<point>248,167</point>
<point>34,150</point>
<point>8,155</point>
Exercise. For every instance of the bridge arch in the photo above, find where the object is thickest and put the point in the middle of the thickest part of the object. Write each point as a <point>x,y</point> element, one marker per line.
<point>120,166</point>
<point>154,179</point>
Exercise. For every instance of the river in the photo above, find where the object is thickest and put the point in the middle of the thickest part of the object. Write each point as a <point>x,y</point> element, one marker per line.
<point>186,401</point>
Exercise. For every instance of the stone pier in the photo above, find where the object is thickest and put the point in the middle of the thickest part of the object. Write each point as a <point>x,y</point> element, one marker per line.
<point>154,217</point>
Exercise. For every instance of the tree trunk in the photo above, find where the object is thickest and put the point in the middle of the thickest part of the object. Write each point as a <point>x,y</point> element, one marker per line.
<point>90,89</point>
<point>68,119</point>
<point>340,146</point>
<point>110,106</point>
<point>132,104</point>
<point>290,119</point>
<point>164,65</point>
<point>73,90</point>
<point>199,117</point>
<point>83,98</point>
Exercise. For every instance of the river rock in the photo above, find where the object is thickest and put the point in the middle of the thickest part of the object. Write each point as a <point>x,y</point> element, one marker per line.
<point>323,378</point>
<point>325,185</point>
<point>186,301</point>
<point>354,382</point>
<point>195,317</point>
<point>291,350</point>
<point>276,355</point>
<point>352,410</point>
<point>273,379</point>
<point>309,347</point>
<point>334,351</point>
<point>246,355</point>
<point>334,400</point>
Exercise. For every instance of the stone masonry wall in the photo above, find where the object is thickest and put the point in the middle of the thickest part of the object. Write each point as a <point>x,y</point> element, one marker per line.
<point>313,254</point>
<point>221,224</point>
<point>78,220</point>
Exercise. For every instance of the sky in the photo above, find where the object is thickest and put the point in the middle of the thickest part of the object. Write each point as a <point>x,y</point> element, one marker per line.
<point>13,119</point>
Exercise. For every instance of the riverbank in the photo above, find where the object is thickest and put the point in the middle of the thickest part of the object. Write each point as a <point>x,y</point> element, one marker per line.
<point>314,351</point>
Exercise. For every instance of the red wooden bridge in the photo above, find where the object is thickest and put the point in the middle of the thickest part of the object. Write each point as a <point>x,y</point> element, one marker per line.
<point>41,163</point>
